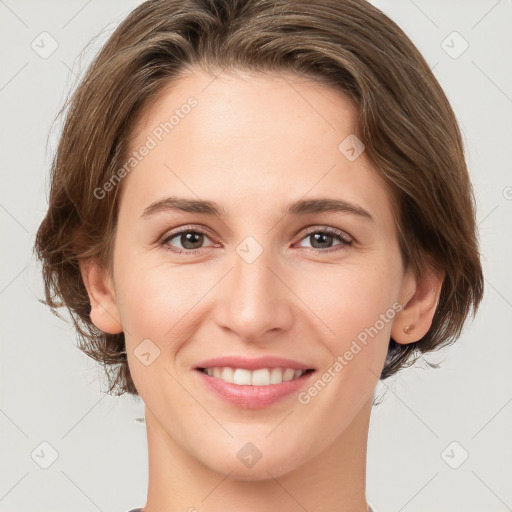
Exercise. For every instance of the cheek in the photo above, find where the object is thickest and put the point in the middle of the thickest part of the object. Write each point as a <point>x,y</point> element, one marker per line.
<point>159,307</point>
<point>154,299</point>
<point>156,303</point>
<point>357,305</point>
<point>345,298</point>
<point>350,298</point>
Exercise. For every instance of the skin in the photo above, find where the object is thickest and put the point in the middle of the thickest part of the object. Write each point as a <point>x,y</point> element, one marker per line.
<point>253,144</point>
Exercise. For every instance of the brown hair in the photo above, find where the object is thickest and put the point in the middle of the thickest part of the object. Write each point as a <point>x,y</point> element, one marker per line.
<point>405,121</point>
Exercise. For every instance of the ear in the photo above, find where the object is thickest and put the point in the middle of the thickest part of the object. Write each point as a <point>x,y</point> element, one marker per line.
<point>419,299</point>
<point>104,311</point>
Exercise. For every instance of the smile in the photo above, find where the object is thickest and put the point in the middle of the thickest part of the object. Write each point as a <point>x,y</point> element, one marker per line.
<point>253,389</point>
<point>259,377</point>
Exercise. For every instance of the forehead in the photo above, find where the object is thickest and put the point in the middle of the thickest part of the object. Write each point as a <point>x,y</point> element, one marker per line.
<point>232,108</point>
<point>248,137</point>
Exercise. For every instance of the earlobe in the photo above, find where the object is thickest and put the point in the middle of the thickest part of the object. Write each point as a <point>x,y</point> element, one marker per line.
<point>420,296</point>
<point>104,311</point>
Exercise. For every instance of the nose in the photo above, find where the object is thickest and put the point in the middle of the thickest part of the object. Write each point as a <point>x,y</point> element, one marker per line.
<point>255,301</point>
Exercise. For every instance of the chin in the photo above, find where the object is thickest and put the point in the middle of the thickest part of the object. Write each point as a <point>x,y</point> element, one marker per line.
<point>240,466</point>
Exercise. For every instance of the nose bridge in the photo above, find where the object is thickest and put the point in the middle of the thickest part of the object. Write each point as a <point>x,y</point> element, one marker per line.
<point>255,300</point>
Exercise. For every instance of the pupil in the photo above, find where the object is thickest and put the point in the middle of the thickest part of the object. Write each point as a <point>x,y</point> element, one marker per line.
<point>193,240</point>
<point>317,236</point>
<point>188,241</point>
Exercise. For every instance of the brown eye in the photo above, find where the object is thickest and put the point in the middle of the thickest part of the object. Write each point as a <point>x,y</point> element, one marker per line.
<point>186,240</point>
<point>191,240</point>
<point>322,239</point>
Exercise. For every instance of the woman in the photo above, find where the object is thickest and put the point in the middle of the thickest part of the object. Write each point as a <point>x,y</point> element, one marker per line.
<point>258,210</point>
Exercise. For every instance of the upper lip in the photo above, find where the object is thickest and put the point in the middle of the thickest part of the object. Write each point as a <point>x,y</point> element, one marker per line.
<point>255,363</point>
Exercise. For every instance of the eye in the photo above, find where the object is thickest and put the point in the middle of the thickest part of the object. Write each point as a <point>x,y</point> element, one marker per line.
<point>189,240</point>
<point>322,239</point>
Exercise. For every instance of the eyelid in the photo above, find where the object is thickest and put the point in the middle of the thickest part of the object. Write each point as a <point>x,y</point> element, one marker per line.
<point>184,229</point>
<point>346,238</point>
<point>315,228</point>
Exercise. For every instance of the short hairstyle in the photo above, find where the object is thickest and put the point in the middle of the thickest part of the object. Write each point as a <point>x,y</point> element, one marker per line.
<point>408,127</point>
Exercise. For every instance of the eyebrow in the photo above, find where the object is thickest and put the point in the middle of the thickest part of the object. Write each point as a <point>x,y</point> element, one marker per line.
<point>297,208</point>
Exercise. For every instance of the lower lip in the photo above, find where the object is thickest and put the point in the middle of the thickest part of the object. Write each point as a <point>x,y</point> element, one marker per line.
<point>253,397</point>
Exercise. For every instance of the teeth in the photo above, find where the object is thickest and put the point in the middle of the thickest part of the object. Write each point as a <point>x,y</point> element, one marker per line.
<point>241,377</point>
<point>260,377</point>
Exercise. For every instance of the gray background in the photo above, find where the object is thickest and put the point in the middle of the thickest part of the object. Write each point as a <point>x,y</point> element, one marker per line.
<point>52,393</point>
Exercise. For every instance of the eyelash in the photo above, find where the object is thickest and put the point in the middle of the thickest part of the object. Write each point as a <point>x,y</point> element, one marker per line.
<point>340,235</point>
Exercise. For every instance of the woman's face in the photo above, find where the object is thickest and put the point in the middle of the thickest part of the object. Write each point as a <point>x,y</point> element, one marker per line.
<point>257,281</point>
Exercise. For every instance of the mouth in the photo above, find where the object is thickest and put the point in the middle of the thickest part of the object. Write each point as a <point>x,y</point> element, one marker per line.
<point>255,388</point>
<point>257,377</point>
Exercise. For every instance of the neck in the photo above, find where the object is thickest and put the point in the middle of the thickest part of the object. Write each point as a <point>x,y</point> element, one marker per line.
<point>332,481</point>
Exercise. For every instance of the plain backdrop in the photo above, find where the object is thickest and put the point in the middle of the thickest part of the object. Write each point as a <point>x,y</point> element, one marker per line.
<point>439,440</point>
